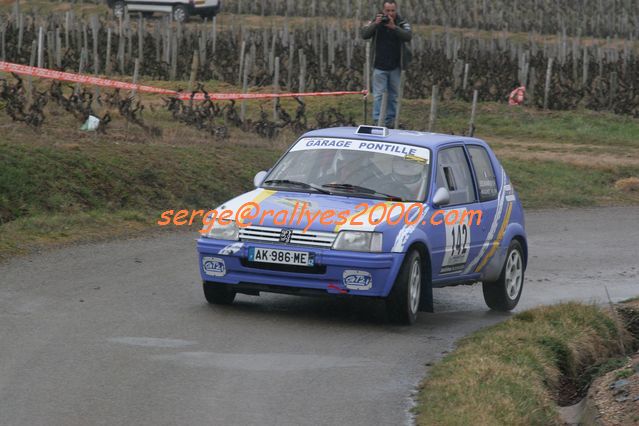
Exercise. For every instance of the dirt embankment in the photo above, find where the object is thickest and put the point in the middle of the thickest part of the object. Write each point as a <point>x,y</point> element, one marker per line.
<point>613,399</point>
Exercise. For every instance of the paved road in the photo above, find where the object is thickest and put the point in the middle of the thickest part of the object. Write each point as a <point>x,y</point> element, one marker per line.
<point>118,333</point>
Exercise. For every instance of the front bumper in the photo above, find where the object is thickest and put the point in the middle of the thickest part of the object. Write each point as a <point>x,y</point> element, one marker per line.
<point>328,275</point>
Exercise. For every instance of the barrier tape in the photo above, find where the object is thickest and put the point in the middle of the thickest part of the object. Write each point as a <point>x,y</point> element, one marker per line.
<point>78,78</point>
<point>97,81</point>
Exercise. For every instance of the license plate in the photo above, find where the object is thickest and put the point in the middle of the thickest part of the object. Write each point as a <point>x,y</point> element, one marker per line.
<point>283,257</point>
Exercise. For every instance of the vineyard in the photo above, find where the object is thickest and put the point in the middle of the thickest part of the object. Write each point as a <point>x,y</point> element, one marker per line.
<point>316,55</point>
<point>597,18</point>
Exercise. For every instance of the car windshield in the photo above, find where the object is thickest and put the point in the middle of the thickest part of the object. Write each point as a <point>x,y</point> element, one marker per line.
<point>346,167</point>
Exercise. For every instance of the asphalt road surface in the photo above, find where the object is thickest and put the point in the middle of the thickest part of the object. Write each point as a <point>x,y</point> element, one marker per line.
<point>119,333</point>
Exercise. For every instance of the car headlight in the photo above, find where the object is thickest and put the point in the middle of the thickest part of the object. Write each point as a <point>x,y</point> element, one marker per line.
<point>229,231</point>
<point>358,241</point>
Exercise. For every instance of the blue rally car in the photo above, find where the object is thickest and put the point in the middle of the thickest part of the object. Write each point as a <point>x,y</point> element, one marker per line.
<point>403,212</point>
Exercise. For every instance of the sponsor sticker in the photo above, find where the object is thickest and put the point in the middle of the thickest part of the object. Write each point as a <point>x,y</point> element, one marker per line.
<point>231,249</point>
<point>213,266</point>
<point>411,152</point>
<point>357,280</point>
<point>457,244</point>
<point>510,192</point>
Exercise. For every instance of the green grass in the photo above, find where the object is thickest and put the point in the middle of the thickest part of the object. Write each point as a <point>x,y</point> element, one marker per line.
<point>511,373</point>
<point>45,230</point>
<point>625,373</point>
<point>556,184</point>
<point>40,179</point>
<point>52,195</point>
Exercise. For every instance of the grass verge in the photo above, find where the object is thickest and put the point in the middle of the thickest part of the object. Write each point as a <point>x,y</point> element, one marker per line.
<point>516,371</point>
<point>50,195</point>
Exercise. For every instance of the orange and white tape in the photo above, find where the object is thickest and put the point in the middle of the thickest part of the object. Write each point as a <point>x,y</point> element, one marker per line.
<point>97,81</point>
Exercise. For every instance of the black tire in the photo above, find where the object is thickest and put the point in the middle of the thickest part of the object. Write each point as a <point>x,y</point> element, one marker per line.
<point>402,304</point>
<point>217,293</point>
<point>503,294</point>
<point>180,13</point>
<point>119,8</point>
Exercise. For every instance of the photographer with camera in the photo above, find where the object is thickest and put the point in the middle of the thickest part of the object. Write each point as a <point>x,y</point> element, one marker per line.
<point>391,54</point>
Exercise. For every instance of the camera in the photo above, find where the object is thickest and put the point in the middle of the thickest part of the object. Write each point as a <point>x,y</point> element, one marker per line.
<point>385,20</point>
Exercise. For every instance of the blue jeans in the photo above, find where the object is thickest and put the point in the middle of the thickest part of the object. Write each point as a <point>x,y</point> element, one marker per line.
<point>386,81</point>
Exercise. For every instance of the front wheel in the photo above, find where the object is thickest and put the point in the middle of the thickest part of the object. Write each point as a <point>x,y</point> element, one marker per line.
<point>403,302</point>
<point>180,14</point>
<point>503,294</point>
<point>218,293</point>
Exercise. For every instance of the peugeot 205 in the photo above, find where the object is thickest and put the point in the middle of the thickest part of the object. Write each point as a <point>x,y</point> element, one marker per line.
<point>432,210</point>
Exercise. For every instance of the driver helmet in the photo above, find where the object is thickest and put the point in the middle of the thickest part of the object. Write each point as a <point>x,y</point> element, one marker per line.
<point>408,172</point>
<point>348,160</point>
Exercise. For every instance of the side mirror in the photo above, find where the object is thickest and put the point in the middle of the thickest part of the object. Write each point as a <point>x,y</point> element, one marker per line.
<point>259,178</point>
<point>441,198</point>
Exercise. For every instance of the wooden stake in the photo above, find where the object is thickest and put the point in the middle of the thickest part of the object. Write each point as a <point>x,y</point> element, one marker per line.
<point>302,77</point>
<point>433,108</point>
<point>276,86</point>
<point>141,39</point>
<point>83,59</point>
<point>465,83</point>
<point>34,50</point>
<point>40,47</point>
<point>174,49</point>
<point>245,86</point>
<point>194,68</point>
<point>548,80</point>
<point>242,57</point>
<point>613,89</point>
<point>20,31</point>
<point>107,65</point>
<point>136,73</point>
<point>473,112</point>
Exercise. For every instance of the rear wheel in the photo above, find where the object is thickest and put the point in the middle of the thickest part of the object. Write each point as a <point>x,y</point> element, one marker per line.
<point>503,294</point>
<point>218,293</point>
<point>180,14</point>
<point>118,9</point>
<point>403,302</point>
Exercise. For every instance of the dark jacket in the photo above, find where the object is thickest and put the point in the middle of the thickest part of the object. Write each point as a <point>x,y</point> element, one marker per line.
<point>404,33</point>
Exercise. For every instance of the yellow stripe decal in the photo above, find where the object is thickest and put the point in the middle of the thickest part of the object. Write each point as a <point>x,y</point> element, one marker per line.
<point>500,235</point>
<point>262,196</point>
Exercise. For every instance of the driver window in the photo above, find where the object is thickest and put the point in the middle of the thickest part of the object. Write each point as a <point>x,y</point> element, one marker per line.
<point>453,174</point>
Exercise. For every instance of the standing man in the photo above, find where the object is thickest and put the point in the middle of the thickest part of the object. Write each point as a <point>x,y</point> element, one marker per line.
<point>390,55</point>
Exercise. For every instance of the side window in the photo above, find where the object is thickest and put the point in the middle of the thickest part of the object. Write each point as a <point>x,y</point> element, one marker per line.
<point>484,173</point>
<point>453,174</point>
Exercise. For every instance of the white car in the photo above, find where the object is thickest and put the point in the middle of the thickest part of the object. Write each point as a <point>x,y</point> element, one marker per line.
<point>180,9</point>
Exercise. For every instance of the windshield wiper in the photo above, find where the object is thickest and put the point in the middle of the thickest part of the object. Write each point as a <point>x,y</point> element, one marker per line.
<point>362,190</point>
<point>296,183</point>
